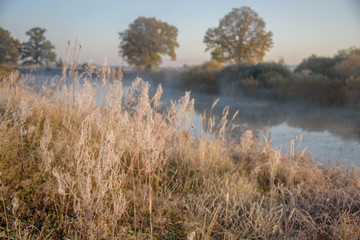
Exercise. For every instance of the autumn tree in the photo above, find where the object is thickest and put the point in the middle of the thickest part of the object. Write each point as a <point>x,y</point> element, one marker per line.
<point>37,50</point>
<point>218,55</point>
<point>9,47</point>
<point>146,39</point>
<point>348,64</point>
<point>241,36</point>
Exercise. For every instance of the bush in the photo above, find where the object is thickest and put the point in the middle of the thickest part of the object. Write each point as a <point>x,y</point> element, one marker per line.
<point>202,77</point>
<point>352,91</point>
<point>318,65</point>
<point>323,85</point>
<point>342,66</point>
<point>168,76</point>
<point>252,77</point>
<point>264,71</point>
<point>315,89</point>
<point>349,65</point>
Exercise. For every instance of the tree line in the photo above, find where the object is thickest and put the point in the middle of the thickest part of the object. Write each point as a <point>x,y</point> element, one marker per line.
<point>37,50</point>
<point>240,37</point>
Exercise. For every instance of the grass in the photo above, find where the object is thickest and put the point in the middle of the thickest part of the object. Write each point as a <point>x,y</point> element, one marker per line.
<point>6,70</point>
<point>71,169</point>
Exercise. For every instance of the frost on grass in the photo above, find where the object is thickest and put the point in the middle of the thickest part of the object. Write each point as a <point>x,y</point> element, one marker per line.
<point>132,169</point>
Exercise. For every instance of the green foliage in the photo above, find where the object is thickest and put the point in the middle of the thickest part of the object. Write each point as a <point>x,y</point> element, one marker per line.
<point>261,73</point>
<point>318,65</point>
<point>59,63</point>
<point>166,76</point>
<point>349,64</point>
<point>203,77</point>
<point>312,89</point>
<point>218,55</point>
<point>37,50</point>
<point>275,81</point>
<point>241,36</point>
<point>344,65</point>
<point>9,47</point>
<point>146,39</point>
<point>211,65</point>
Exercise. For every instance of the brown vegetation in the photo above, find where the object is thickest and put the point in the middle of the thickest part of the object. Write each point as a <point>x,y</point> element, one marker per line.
<point>321,80</point>
<point>71,169</point>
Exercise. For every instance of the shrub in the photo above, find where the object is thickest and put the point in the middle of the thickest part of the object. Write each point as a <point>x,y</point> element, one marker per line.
<point>202,77</point>
<point>343,65</point>
<point>167,76</point>
<point>318,65</point>
<point>252,77</point>
<point>349,66</point>
<point>263,71</point>
<point>352,91</point>
<point>316,88</point>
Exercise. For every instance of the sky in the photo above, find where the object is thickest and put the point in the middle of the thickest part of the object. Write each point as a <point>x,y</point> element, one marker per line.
<point>300,28</point>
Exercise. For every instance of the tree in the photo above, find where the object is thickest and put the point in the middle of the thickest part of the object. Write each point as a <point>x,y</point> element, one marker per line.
<point>218,55</point>
<point>241,36</point>
<point>146,39</point>
<point>348,63</point>
<point>9,47</point>
<point>37,50</point>
<point>59,63</point>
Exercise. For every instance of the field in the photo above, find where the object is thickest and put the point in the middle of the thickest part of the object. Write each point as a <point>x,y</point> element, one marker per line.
<point>133,169</point>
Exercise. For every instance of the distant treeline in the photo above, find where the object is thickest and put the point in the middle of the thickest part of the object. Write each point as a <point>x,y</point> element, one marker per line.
<point>328,81</point>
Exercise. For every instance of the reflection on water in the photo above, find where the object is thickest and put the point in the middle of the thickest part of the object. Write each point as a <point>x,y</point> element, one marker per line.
<point>322,144</point>
<point>328,133</point>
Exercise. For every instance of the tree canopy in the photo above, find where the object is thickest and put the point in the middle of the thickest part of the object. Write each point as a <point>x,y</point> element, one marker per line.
<point>345,64</point>
<point>218,55</point>
<point>146,39</point>
<point>9,47</point>
<point>349,63</point>
<point>241,36</point>
<point>37,50</point>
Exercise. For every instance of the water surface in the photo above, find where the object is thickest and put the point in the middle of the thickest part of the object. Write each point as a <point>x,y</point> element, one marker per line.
<point>327,133</point>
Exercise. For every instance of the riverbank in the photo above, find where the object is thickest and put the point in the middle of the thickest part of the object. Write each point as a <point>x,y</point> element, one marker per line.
<point>269,80</point>
<point>6,70</point>
<point>329,133</point>
<point>73,169</point>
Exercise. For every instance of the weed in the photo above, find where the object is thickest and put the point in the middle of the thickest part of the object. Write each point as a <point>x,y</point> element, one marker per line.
<point>71,168</point>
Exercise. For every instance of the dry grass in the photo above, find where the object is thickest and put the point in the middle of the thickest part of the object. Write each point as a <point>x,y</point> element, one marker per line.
<point>71,169</point>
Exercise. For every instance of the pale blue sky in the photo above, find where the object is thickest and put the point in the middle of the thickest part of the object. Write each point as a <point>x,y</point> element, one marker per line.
<point>300,28</point>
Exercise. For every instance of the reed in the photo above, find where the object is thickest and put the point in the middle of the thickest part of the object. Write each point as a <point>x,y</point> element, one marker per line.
<point>132,169</point>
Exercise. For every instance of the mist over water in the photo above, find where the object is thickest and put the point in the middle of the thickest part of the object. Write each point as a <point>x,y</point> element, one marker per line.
<point>328,134</point>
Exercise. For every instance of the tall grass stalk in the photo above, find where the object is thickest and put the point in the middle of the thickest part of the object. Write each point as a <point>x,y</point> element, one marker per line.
<point>133,169</point>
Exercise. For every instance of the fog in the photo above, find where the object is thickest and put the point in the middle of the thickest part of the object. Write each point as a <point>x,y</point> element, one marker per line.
<point>328,134</point>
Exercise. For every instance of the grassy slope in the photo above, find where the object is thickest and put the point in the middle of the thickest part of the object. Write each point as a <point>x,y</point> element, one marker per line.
<point>72,169</point>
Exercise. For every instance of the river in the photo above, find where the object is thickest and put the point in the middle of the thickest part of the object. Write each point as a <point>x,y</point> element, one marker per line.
<point>328,134</point>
